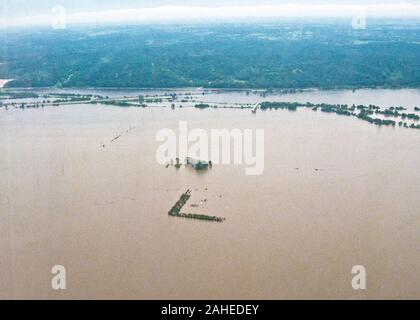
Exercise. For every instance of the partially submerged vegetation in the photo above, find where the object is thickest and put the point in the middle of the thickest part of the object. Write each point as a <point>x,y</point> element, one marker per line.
<point>392,116</point>
<point>177,207</point>
<point>363,112</point>
<point>118,103</point>
<point>202,106</point>
<point>196,164</point>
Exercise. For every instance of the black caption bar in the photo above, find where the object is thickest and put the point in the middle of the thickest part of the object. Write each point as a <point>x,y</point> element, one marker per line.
<point>211,309</point>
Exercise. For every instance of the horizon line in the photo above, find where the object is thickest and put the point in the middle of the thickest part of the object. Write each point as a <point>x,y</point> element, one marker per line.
<point>197,14</point>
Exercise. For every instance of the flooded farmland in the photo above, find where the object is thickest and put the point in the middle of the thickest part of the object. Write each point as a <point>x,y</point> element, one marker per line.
<point>335,192</point>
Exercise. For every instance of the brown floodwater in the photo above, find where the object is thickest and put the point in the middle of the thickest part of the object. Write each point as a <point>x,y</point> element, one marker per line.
<point>336,192</point>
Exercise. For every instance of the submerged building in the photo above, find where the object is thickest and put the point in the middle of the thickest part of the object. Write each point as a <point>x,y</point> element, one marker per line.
<point>197,164</point>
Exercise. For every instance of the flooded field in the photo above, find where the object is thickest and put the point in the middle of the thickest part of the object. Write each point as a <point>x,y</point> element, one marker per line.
<point>335,192</point>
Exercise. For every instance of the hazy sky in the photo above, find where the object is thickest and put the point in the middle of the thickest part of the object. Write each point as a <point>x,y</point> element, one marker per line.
<point>39,12</point>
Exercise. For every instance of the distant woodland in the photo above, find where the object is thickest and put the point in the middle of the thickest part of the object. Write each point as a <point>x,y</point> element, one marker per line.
<point>271,55</point>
